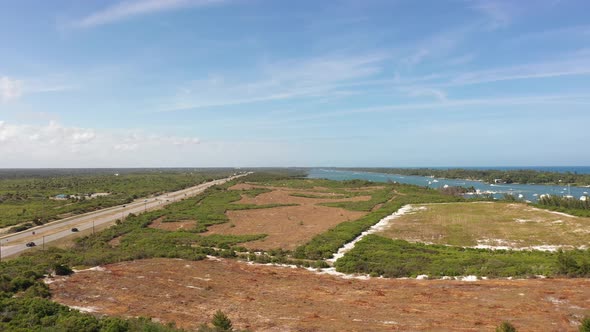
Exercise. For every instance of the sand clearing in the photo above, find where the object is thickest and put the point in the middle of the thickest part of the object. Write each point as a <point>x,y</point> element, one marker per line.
<point>172,226</point>
<point>268,298</point>
<point>289,226</point>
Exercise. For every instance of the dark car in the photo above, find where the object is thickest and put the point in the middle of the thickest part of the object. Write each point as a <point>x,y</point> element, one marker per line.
<point>30,244</point>
<point>75,229</point>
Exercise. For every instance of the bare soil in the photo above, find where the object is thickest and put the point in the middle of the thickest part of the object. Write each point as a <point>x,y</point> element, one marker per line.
<point>288,226</point>
<point>116,241</point>
<point>270,298</point>
<point>172,226</point>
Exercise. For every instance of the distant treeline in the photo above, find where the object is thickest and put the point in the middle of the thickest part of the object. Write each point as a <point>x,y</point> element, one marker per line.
<point>489,176</point>
<point>577,207</point>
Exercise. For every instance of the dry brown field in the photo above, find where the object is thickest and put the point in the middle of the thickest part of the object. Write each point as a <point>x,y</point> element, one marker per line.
<point>270,298</point>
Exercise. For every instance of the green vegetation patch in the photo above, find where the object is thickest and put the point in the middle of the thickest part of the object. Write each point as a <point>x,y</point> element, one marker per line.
<point>377,255</point>
<point>28,313</point>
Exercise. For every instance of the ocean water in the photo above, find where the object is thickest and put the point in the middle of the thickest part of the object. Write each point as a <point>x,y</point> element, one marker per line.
<point>526,191</point>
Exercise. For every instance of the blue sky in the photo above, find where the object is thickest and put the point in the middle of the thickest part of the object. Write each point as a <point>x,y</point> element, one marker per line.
<point>294,83</point>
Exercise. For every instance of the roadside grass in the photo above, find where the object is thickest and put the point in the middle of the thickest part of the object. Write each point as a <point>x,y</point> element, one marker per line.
<point>491,223</point>
<point>379,256</point>
<point>27,199</point>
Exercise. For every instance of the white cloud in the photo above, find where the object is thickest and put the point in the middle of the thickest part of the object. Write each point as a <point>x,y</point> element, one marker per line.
<point>447,103</point>
<point>126,147</point>
<point>577,32</point>
<point>129,9</point>
<point>318,77</point>
<point>425,92</point>
<point>436,46</point>
<point>572,64</point>
<point>56,145</point>
<point>500,13</point>
<point>10,89</point>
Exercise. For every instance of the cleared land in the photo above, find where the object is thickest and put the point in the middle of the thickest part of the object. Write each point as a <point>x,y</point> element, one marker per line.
<point>172,225</point>
<point>268,298</point>
<point>286,226</point>
<point>493,225</point>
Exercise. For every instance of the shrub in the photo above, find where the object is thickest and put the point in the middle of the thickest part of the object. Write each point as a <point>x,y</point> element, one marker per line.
<point>221,321</point>
<point>506,327</point>
<point>62,270</point>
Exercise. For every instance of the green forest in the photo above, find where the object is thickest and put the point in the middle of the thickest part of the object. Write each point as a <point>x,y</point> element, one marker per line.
<point>524,176</point>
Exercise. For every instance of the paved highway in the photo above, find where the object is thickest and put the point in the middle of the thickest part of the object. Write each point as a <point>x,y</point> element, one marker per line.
<point>42,235</point>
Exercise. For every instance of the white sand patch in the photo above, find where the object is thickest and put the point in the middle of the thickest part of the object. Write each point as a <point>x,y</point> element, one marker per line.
<point>96,268</point>
<point>494,244</point>
<point>469,278</point>
<point>554,212</point>
<point>84,309</point>
<point>499,244</point>
<point>389,322</point>
<point>489,247</point>
<point>203,279</point>
<point>559,221</point>
<point>50,280</point>
<point>381,225</point>
<point>547,248</point>
<point>332,271</point>
<point>555,300</point>
<point>194,287</point>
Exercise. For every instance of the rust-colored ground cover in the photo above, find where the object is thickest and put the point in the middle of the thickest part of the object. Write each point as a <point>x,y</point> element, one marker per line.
<point>269,298</point>
<point>172,226</point>
<point>288,226</point>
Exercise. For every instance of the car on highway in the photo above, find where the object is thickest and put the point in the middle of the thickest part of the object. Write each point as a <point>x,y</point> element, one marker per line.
<point>75,229</point>
<point>30,244</point>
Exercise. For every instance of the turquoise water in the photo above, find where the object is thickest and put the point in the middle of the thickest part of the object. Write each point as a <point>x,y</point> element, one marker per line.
<point>528,191</point>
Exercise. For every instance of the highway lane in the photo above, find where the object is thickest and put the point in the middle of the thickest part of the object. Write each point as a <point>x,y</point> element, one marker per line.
<point>13,244</point>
